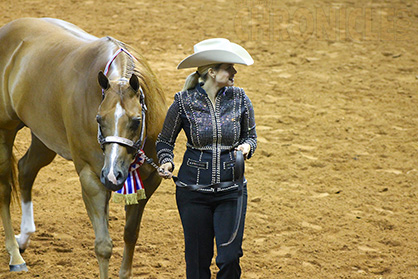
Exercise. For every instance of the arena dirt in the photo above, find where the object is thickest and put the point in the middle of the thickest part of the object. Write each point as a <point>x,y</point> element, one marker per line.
<point>333,183</point>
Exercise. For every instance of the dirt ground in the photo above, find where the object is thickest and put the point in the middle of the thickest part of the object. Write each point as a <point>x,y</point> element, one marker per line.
<point>333,183</point>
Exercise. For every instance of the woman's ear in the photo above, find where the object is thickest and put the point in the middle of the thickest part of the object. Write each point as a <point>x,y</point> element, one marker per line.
<point>212,73</point>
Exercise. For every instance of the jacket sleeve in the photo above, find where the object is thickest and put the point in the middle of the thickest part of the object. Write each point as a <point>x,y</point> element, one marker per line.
<point>248,133</point>
<point>166,139</point>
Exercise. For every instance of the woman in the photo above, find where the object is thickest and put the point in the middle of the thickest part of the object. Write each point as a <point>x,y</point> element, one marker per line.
<point>218,119</point>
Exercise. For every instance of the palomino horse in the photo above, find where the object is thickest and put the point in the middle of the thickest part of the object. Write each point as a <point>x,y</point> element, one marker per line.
<point>49,83</point>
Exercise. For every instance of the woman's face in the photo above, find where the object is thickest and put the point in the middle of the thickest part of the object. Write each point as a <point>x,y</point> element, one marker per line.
<point>225,75</point>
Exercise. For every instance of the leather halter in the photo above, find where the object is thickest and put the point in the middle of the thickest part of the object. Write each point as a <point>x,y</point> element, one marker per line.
<point>136,146</point>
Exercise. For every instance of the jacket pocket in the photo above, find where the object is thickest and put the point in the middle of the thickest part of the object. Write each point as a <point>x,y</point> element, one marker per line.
<point>229,165</point>
<point>197,164</point>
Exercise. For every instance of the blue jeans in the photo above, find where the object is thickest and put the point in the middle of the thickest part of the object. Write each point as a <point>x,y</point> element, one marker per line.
<point>205,217</point>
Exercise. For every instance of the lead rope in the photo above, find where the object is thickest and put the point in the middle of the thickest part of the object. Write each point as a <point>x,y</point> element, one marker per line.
<point>239,179</point>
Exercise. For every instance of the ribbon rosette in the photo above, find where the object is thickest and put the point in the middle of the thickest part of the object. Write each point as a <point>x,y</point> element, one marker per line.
<point>133,189</point>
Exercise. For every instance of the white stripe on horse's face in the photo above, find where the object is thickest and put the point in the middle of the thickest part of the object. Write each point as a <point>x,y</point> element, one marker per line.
<point>111,176</point>
<point>119,112</point>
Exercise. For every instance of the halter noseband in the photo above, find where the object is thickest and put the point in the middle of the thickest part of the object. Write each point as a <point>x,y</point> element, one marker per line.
<point>120,140</point>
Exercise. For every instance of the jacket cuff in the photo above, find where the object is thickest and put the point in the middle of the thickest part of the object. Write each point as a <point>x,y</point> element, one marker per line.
<point>167,160</point>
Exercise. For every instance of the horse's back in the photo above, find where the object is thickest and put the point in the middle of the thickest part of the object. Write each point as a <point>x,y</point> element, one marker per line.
<point>27,29</point>
<point>71,29</point>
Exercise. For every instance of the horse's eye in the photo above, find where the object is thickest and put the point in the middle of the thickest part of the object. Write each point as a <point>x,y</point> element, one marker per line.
<point>99,119</point>
<point>135,122</point>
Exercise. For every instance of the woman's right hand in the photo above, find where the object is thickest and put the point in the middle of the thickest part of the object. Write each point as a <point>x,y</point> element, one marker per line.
<point>165,170</point>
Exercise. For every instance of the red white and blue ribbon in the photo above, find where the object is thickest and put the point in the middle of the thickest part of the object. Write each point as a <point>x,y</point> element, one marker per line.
<point>133,189</point>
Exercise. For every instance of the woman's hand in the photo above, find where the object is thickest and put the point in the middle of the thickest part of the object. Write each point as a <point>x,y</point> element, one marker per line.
<point>165,170</point>
<point>245,148</point>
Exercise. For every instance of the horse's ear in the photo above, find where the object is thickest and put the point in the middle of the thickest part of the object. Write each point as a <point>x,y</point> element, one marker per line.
<point>134,82</point>
<point>103,81</point>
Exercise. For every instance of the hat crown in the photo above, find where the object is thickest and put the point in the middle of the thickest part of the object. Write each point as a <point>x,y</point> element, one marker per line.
<point>212,44</point>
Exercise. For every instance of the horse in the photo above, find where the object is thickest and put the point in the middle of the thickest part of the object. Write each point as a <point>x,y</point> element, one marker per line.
<point>52,82</point>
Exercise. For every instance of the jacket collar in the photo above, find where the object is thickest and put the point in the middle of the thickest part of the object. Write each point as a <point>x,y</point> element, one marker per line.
<point>200,89</point>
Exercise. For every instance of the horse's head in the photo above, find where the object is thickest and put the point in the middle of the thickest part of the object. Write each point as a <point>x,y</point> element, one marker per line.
<point>121,120</point>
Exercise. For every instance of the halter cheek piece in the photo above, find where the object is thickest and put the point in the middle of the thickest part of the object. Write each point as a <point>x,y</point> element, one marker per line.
<point>136,146</point>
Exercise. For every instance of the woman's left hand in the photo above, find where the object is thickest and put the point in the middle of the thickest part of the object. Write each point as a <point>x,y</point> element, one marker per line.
<point>245,148</point>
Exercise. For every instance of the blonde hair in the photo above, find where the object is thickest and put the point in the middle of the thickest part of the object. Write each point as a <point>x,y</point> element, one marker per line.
<point>200,75</point>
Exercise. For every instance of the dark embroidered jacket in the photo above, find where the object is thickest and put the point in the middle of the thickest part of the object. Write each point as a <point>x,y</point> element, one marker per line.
<point>212,133</point>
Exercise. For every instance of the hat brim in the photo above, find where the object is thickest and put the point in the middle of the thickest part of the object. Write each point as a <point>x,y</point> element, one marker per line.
<point>207,57</point>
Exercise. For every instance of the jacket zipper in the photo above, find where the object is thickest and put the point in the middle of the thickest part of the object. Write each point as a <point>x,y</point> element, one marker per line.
<point>215,147</point>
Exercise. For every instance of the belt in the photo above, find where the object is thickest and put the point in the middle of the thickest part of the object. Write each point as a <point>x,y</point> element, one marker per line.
<point>218,187</point>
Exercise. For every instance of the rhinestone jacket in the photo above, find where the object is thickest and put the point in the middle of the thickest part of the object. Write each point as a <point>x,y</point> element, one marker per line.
<point>212,131</point>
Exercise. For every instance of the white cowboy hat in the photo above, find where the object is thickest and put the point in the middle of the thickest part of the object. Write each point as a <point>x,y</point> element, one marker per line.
<point>216,50</point>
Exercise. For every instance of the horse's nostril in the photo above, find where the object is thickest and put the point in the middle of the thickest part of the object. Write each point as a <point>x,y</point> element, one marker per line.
<point>119,176</point>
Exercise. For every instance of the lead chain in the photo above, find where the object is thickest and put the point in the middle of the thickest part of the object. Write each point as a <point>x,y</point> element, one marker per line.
<point>150,161</point>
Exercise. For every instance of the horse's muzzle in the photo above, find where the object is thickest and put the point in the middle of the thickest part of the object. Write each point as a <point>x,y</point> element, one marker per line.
<point>113,180</point>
